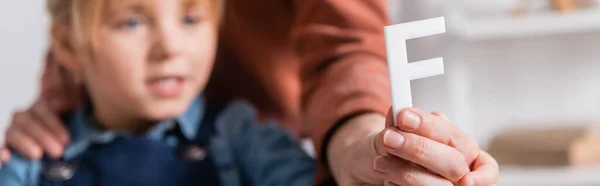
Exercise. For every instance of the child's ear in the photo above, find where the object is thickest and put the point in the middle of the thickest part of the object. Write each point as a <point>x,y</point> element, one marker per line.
<point>63,49</point>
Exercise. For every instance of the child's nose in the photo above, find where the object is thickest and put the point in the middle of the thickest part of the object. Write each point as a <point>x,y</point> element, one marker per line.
<point>167,43</point>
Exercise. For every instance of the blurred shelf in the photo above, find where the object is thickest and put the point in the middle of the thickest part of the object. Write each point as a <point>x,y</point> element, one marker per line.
<point>534,24</point>
<point>516,176</point>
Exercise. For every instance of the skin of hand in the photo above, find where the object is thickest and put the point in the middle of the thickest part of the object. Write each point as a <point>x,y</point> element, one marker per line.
<point>39,129</point>
<point>425,149</point>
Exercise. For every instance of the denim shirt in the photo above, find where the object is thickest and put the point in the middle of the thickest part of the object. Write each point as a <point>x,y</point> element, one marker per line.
<point>244,151</point>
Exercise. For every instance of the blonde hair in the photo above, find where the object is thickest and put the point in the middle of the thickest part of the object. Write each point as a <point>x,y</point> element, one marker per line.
<point>84,17</point>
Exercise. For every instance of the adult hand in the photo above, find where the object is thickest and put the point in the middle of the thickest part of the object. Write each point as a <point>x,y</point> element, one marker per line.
<point>425,149</point>
<point>39,129</point>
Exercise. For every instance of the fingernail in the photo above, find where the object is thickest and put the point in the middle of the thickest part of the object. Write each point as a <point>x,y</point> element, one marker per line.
<point>35,154</point>
<point>470,182</point>
<point>411,120</point>
<point>4,156</point>
<point>64,139</point>
<point>381,165</point>
<point>393,139</point>
<point>56,152</point>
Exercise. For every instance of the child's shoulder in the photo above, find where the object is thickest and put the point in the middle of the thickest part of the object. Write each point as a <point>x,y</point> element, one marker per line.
<point>239,117</point>
<point>238,122</point>
<point>267,153</point>
<point>238,110</point>
<point>19,171</point>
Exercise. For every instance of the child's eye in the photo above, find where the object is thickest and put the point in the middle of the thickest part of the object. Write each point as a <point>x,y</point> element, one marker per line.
<point>132,23</point>
<point>190,20</point>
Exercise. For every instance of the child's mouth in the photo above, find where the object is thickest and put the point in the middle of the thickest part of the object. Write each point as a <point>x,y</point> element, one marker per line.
<point>166,86</point>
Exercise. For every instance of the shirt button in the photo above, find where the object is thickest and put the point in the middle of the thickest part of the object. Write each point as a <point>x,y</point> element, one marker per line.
<point>59,171</point>
<point>193,153</point>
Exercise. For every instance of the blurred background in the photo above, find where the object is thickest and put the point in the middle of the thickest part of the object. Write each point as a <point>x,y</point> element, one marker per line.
<point>522,77</point>
<point>23,41</point>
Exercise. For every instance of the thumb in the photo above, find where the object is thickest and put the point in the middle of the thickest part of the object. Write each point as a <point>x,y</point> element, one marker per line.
<point>389,119</point>
<point>388,138</point>
<point>379,139</point>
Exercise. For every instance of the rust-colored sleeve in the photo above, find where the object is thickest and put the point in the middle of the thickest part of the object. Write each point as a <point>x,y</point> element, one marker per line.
<point>58,86</point>
<point>344,71</point>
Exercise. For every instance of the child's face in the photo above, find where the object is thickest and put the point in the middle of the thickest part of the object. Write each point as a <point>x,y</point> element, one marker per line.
<point>151,59</point>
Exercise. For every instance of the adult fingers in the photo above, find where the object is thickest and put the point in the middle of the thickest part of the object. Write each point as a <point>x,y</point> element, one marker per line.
<point>441,115</point>
<point>434,156</point>
<point>399,172</point>
<point>4,155</point>
<point>25,124</point>
<point>485,171</point>
<point>437,127</point>
<point>23,144</point>
<point>43,113</point>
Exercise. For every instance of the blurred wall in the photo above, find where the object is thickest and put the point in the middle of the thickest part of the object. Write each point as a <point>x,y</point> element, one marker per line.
<point>22,44</point>
<point>497,84</point>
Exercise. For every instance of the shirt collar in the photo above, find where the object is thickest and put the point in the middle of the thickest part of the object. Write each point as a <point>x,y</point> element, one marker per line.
<point>84,133</point>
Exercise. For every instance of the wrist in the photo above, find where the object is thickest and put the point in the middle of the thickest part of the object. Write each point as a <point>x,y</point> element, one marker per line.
<point>363,127</point>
